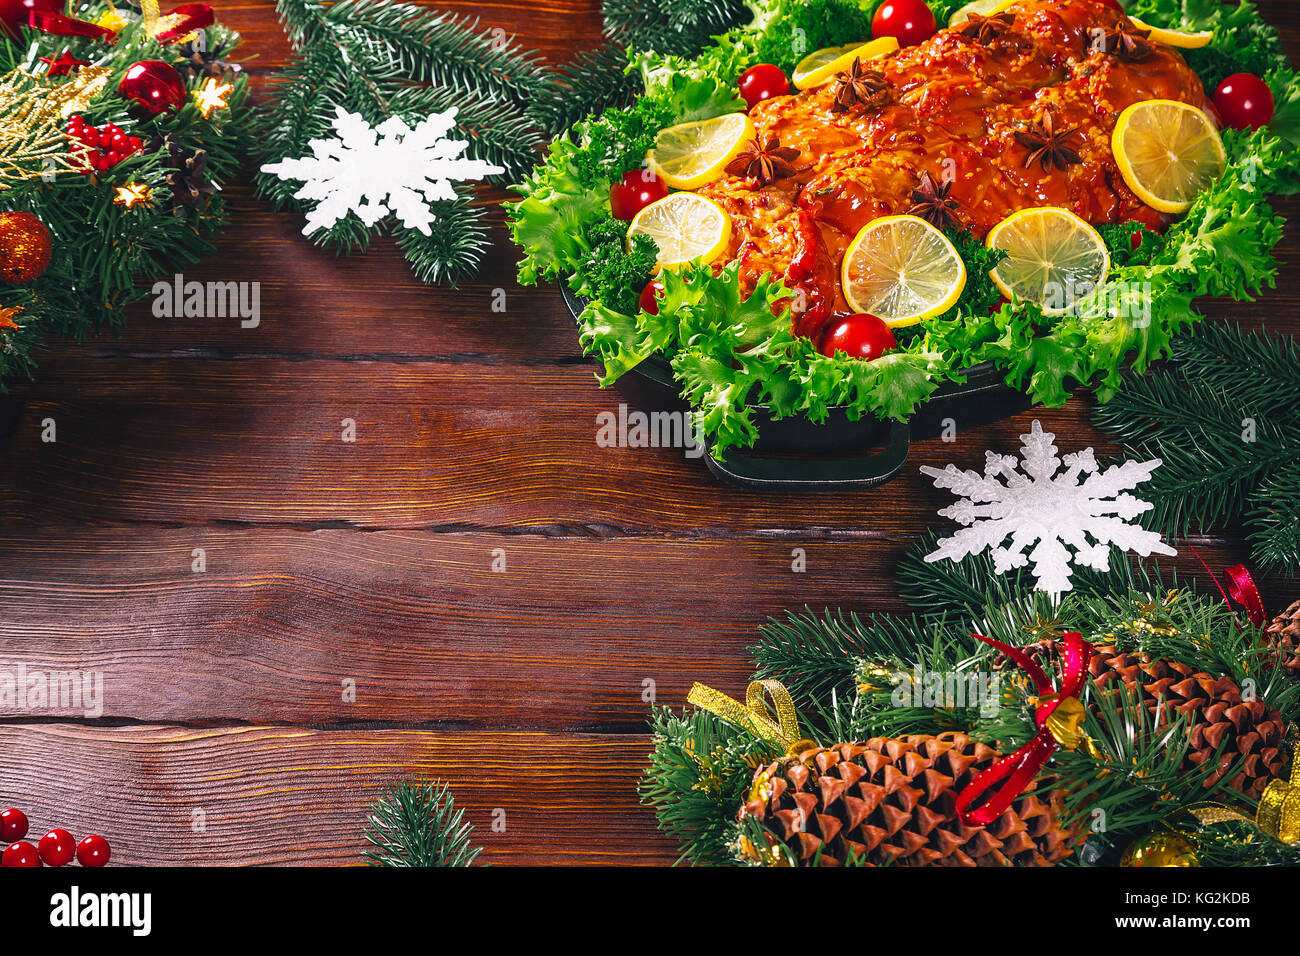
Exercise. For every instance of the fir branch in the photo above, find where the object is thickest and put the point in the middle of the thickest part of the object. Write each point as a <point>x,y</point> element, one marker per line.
<point>455,245</point>
<point>592,82</point>
<point>416,823</point>
<point>1274,520</point>
<point>677,27</point>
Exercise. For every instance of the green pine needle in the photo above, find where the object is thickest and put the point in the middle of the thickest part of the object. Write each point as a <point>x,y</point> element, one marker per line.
<point>416,823</point>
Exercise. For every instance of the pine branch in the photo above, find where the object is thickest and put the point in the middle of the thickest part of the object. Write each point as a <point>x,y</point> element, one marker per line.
<point>679,27</point>
<point>416,824</point>
<point>455,245</point>
<point>1253,369</point>
<point>592,82</point>
<point>1274,519</point>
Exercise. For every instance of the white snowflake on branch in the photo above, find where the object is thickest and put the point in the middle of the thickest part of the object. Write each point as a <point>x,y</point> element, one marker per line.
<point>375,171</point>
<point>1046,509</point>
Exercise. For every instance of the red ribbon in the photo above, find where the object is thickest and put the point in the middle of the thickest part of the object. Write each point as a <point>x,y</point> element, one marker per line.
<point>61,26</point>
<point>1241,590</point>
<point>194,16</point>
<point>1019,769</point>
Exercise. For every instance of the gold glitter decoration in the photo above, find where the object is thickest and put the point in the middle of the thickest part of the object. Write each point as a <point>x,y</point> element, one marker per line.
<point>211,96</point>
<point>33,138</point>
<point>133,194</point>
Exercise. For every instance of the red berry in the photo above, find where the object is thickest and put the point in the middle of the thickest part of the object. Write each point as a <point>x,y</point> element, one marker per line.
<point>638,189</point>
<point>57,848</point>
<point>13,826</point>
<point>859,336</point>
<point>762,82</point>
<point>21,853</point>
<point>1244,101</point>
<point>908,21</point>
<point>93,851</point>
<point>650,297</point>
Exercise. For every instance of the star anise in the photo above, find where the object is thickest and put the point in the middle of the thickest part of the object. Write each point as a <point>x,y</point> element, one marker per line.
<point>932,203</point>
<point>987,29</point>
<point>1127,42</point>
<point>1049,146</point>
<point>859,87</point>
<point>764,164</point>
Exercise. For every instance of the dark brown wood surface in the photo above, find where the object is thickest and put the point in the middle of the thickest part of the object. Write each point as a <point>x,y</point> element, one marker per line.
<point>227,735</point>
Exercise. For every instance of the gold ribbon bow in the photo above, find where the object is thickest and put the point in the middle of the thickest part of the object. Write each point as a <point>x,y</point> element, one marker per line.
<point>755,715</point>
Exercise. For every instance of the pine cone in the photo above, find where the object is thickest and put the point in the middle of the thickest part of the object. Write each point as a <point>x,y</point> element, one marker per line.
<point>1284,634</point>
<point>894,799</point>
<point>1213,708</point>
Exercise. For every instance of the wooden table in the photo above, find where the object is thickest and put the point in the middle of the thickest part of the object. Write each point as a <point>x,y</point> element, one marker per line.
<point>228,733</point>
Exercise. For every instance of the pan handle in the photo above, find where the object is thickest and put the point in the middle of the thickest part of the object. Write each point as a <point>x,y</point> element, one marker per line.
<point>790,474</point>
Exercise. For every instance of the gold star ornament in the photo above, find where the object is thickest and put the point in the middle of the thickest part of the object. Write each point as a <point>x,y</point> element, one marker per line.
<point>132,195</point>
<point>211,96</point>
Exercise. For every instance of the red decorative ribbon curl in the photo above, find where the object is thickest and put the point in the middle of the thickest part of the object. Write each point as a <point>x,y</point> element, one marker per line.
<point>1241,590</point>
<point>1019,769</point>
<point>62,26</point>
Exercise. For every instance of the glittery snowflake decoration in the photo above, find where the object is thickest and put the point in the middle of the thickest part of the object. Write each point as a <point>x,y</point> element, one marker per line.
<point>375,171</point>
<point>1047,509</point>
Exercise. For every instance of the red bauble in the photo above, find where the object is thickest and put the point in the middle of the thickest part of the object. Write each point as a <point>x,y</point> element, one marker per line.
<point>650,297</point>
<point>93,851</point>
<point>57,848</point>
<point>14,14</point>
<point>1244,101</point>
<point>25,251</point>
<point>638,189</point>
<point>155,85</point>
<point>21,853</point>
<point>13,826</point>
<point>908,21</point>
<point>762,82</point>
<point>859,336</point>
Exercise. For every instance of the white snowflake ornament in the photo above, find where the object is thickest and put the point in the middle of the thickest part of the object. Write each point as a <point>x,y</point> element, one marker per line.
<point>1039,508</point>
<point>374,171</point>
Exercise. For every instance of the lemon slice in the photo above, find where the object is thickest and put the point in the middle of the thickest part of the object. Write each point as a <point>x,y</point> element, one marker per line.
<point>1184,41</point>
<point>983,8</point>
<point>1167,152</point>
<point>691,155</point>
<point>901,269</point>
<point>686,227</point>
<point>1053,258</point>
<point>818,67</point>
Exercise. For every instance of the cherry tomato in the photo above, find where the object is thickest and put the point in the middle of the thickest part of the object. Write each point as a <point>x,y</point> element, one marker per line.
<point>13,825</point>
<point>1244,101</point>
<point>908,21</point>
<point>57,848</point>
<point>762,82</point>
<point>93,851</point>
<point>639,188</point>
<point>650,297</point>
<point>859,336</point>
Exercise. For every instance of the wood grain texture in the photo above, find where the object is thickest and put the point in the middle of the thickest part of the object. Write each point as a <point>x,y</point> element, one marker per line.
<point>371,561</point>
<point>166,796</point>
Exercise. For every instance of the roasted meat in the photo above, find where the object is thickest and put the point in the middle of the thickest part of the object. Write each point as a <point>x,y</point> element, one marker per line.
<point>1013,115</point>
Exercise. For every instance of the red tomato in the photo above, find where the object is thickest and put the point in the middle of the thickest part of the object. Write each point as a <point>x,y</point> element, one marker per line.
<point>1244,101</point>
<point>762,82</point>
<point>650,297</point>
<point>639,188</point>
<point>908,21</point>
<point>859,336</point>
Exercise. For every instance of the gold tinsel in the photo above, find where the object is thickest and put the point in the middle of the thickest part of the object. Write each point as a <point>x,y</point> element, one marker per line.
<point>33,136</point>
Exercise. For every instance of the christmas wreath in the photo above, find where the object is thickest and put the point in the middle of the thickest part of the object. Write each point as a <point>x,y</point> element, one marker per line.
<point>739,320</point>
<point>1134,722</point>
<point>117,127</point>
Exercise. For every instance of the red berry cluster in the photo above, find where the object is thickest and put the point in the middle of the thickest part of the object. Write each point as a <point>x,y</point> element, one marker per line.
<point>104,146</point>
<point>56,848</point>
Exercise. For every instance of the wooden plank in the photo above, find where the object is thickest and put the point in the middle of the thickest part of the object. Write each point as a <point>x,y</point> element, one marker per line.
<point>574,633</point>
<point>266,796</point>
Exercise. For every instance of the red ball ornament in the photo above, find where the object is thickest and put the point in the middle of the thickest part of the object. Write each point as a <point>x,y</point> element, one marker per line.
<point>908,21</point>
<point>155,85</point>
<point>93,851</point>
<point>21,853</point>
<point>763,82</point>
<point>1245,101</point>
<point>25,250</point>
<point>15,14</point>
<point>57,848</point>
<point>13,826</point>
<point>859,336</point>
<point>638,189</point>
